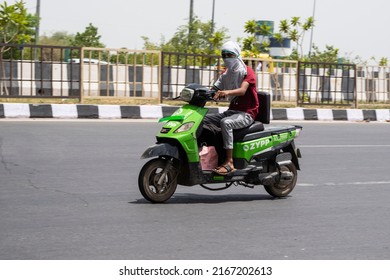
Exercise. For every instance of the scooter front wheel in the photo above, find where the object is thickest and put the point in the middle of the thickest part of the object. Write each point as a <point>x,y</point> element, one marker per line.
<point>157,180</point>
<point>283,187</point>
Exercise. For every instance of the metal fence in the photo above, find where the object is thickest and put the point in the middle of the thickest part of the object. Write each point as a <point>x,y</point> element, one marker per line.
<point>306,83</point>
<point>326,83</point>
<point>53,71</point>
<point>38,71</point>
<point>120,73</point>
<point>64,72</point>
<point>278,77</point>
<point>179,69</point>
<point>373,84</point>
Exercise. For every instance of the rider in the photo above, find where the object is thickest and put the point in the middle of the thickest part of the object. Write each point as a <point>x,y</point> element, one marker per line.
<point>238,82</point>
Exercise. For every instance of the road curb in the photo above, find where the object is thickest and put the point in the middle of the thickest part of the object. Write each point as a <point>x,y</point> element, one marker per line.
<point>82,111</point>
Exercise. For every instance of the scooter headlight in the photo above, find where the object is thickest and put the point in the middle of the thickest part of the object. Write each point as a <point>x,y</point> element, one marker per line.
<point>185,127</point>
<point>186,94</point>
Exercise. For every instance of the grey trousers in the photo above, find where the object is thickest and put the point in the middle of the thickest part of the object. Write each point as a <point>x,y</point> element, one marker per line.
<point>228,121</point>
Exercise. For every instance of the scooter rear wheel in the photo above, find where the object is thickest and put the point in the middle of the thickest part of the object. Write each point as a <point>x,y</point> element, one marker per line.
<point>282,189</point>
<point>152,185</point>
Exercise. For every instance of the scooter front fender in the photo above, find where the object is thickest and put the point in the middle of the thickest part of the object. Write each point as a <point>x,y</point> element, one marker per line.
<point>162,149</point>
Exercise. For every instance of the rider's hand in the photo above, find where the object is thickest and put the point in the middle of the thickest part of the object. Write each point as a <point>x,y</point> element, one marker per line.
<point>220,94</point>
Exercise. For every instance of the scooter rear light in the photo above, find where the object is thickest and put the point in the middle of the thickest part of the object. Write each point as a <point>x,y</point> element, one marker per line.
<point>298,132</point>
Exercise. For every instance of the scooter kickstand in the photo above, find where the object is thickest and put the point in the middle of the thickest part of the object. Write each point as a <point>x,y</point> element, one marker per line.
<point>245,185</point>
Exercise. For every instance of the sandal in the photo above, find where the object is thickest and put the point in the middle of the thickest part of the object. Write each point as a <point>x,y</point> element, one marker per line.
<point>224,170</point>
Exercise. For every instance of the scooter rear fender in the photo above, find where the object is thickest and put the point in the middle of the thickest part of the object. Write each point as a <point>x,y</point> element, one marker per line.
<point>162,149</point>
<point>295,153</point>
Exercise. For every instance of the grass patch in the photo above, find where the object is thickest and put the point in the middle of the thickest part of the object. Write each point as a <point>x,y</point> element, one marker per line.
<point>40,100</point>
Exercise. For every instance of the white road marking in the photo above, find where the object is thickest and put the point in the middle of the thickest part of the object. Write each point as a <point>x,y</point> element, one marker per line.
<point>345,146</point>
<point>345,183</point>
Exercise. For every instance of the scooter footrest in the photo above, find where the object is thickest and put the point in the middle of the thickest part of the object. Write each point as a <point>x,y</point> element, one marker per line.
<point>247,170</point>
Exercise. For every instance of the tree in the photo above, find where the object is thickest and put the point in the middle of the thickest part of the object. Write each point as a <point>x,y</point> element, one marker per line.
<point>295,30</point>
<point>384,61</point>
<point>329,55</point>
<point>16,27</point>
<point>197,39</point>
<point>59,38</point>
<point>88,38</point>
<point>148,45</point>
<point>200,38</point>
<point>251,45</point>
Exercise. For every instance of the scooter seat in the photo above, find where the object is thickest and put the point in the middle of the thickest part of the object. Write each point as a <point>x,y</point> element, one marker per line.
<point>244,133</point>
<point>265,132</point>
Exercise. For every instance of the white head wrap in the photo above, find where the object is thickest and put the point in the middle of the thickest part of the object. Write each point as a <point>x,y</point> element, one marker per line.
<point>236,68</point>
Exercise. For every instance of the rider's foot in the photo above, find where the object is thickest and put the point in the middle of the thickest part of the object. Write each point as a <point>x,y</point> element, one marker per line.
<point>225,169</point>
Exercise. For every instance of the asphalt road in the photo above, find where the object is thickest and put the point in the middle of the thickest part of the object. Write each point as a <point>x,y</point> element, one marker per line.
<point>68,190</point>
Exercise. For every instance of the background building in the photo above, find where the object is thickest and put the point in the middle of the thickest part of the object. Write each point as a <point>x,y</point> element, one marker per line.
<point>277,49</point>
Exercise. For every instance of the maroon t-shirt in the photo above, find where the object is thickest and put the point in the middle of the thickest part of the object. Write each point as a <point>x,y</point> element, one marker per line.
<point>249,102</point>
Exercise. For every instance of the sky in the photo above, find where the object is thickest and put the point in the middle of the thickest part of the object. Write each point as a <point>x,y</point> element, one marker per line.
<point>356,27</point>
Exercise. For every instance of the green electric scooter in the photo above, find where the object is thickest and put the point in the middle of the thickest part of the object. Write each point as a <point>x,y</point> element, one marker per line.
<point>263,155</point>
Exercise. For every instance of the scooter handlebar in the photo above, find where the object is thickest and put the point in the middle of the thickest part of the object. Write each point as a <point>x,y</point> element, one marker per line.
<point>197,95</point>
<point>209,95</point>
